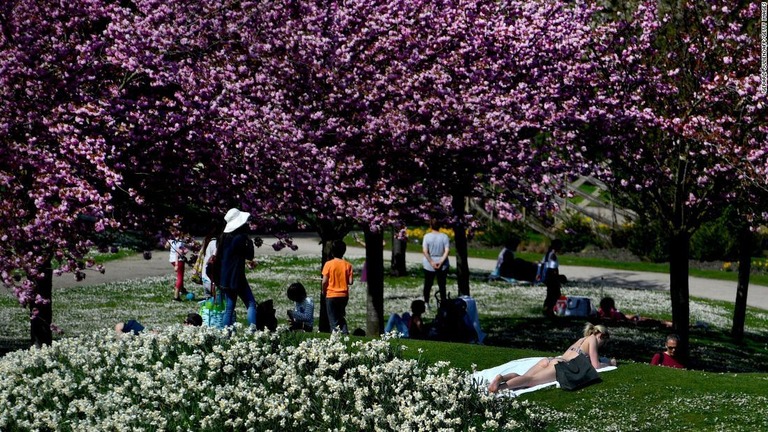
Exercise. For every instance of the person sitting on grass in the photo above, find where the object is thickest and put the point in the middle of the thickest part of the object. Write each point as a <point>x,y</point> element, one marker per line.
<point>409,325</point>
<point>505,263</point>
<point>302,315</point>
<point>595,336</point>
<point>668,358</point>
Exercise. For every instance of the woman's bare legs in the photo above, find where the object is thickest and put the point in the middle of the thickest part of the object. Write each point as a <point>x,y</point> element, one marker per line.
<point>497,381</point>
<point>542,372</point>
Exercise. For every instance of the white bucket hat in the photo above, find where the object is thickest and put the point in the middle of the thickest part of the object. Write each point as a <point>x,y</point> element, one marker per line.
<point>235,219</point>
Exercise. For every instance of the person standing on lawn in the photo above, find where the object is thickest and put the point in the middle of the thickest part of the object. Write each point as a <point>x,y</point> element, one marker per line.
<point>207,251</point>
<point>549,274</point>
<point>337,277</point>
<point>435,247</point>
<point>177,258</point>
<point>234,249</point>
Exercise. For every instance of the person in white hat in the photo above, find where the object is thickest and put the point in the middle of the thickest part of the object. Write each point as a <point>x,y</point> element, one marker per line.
<point>234,250</point>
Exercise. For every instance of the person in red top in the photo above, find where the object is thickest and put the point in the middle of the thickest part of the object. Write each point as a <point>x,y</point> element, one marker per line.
<point>607,310</point>
<point>337,277</point>
<point>668,358</point>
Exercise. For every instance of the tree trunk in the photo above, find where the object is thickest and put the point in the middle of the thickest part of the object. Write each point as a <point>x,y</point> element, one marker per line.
<point>397,263</point>
<point>374,259</point>
<point>679,289</point>
<point>41,314</point>
<point>745,266</point>
<point>323,324</point>
<point>460,241</point>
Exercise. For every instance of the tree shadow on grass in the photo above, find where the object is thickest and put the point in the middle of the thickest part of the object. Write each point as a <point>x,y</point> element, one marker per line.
<point>711,350</point>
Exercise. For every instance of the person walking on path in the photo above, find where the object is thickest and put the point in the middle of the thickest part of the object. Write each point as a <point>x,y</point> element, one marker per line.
<point>234,249</point>
<point>435,247</point>
<point>337,277</point>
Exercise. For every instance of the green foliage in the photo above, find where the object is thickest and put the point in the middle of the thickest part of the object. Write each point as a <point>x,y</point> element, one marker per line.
<point>576,232</point>
<point>496,234</point>
<point>645,239</point>
<point>713,241</point>
<point>717,240</point>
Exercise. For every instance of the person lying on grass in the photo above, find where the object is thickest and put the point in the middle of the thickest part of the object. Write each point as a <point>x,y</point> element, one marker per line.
<point>610,314</point>
<point>543,371</point>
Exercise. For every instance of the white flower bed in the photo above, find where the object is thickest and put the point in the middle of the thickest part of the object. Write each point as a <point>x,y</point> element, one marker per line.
<point>198,378</point>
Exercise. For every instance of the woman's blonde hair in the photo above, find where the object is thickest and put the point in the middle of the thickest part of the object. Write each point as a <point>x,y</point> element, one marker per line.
<point>591,329</point>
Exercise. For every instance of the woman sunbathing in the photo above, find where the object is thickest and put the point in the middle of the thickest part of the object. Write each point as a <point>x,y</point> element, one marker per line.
<point>542,372</point>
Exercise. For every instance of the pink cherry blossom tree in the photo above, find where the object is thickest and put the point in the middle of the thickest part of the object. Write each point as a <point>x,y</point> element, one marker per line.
<point>103,128</point>
<point>55,175</point>
<point>372,112</point>
<point>395,110</point>
<point>679,124</point>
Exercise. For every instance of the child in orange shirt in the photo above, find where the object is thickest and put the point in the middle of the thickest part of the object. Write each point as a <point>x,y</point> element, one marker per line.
<point>337,277</point>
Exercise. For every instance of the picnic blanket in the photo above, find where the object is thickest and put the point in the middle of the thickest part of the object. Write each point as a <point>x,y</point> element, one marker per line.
<point>519,366</point>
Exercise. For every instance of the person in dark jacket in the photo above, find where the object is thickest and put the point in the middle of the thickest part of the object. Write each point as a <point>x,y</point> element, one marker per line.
<point>549,274</point>
<point>234,249</point>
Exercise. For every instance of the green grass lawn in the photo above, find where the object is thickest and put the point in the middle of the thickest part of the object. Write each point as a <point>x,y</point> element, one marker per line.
<point>727,390</point>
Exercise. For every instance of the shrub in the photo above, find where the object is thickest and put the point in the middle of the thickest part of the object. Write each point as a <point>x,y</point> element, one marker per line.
<point>416,235</point>
<point>645,239</point>
<point>576,231</point>
<point>496,234</point>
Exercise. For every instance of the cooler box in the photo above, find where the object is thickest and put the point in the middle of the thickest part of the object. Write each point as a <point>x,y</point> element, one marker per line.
<point>473,317</point>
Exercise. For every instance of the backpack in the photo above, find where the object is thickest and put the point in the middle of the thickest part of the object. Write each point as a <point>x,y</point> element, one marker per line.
<point>541,273</point>
<point>265,315</point>
<point>452,324</point>
<point>578,307</point>
<point>213,269</point>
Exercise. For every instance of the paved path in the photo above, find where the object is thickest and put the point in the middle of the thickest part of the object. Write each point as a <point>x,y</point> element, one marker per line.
<point>136,267</point>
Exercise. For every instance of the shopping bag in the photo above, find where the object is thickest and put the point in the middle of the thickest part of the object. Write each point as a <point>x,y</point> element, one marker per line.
<point>212,310</point>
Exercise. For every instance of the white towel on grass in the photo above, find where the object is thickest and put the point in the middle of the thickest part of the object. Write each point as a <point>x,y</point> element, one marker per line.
<point>519,366</point>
